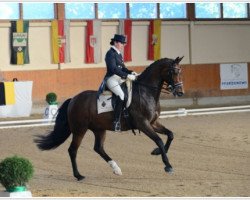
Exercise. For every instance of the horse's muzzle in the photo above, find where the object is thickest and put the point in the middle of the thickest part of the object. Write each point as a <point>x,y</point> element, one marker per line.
<point>178,90</point>
<point>179,94</point>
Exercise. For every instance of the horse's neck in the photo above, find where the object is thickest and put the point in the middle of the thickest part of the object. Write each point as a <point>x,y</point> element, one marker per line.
<point>152,82</point>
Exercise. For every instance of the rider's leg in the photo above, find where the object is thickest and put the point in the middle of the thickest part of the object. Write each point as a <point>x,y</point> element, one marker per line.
<point>117,114</point>
<point>113,83</point>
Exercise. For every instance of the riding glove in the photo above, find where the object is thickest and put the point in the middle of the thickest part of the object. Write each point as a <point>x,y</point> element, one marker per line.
<point>131,77</point>
<point>134,73</point>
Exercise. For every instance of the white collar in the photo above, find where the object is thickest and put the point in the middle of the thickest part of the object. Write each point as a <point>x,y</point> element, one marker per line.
<point>117,50</point>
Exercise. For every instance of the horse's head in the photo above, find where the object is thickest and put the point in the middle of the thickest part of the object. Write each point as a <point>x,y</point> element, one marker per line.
<point>172,76</point>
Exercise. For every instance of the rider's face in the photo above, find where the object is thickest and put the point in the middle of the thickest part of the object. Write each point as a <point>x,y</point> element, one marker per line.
<point>119,46</point>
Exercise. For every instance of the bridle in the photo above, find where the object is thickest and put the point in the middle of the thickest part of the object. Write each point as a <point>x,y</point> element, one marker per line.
<point>170,86</point>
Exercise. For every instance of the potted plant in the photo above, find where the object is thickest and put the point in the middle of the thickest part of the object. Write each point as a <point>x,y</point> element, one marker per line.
<point>51,98</point>
<point>15,172</point>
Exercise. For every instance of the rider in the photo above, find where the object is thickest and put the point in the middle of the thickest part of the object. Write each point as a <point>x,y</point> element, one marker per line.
<point>116,73</point>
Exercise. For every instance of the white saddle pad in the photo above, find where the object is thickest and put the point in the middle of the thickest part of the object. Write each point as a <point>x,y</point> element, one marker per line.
<point>104,102</point>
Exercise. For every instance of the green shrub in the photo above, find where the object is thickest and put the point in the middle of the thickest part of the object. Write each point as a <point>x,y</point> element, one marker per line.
<point>51,98</point>
<point>15,171</point>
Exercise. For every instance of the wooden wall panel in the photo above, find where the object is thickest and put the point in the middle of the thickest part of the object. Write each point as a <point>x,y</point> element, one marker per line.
<point>201,80</point>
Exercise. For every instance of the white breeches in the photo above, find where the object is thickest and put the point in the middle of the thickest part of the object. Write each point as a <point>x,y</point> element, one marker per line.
<point>113,83</point>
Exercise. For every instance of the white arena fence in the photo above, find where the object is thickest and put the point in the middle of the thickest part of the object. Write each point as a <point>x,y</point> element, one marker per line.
<point>204,111</point>
<point>26,123</point>
<point>164,114</point>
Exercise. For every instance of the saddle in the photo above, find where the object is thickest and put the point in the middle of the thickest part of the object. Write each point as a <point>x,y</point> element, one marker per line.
<point>106,100</point>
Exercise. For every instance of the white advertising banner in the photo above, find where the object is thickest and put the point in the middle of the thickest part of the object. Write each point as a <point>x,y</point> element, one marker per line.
<point>233,76</point>
<point>23,105</point>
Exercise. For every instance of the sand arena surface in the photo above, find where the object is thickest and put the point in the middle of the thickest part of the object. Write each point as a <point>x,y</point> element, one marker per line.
<point>210,156</point>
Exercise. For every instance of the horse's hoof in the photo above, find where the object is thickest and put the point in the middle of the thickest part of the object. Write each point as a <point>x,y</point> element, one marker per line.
<point>156,152</point>
<point>118,172</point>
<point>169,170</point>
<point>80,177</point>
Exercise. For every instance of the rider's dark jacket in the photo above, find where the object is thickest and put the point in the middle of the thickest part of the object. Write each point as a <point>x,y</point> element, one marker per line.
<point>115,64</point>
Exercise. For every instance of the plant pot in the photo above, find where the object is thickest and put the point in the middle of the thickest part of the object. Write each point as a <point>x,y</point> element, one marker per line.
<point>50,112</point>
<point>16,189</point>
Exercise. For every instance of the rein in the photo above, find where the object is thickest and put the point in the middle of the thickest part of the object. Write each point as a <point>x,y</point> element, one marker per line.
<point>166,91</point>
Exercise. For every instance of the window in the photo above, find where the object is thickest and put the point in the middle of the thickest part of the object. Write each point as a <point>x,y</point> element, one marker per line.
<point>207,10</point>
<point>143,10</point>
<point>9,10</point>
<point>234,10</point>
<point>213,10</point>
<point>38,11</point>
<point>79,10</point>
<point>111,10</point>
<point>173,10</point>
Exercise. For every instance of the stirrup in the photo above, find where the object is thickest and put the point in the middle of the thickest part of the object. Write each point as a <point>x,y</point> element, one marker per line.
<point>117,126</point>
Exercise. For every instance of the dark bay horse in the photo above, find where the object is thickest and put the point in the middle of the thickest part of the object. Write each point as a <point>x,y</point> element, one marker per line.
<point>78,114</point>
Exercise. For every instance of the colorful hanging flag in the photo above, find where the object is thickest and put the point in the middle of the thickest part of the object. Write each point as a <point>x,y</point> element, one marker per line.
<point>60,41</point>
<point>93,41</point>
<point>19,42</point>
<point>7,93</point>
<point>154,40</point>
<point>125,28</point>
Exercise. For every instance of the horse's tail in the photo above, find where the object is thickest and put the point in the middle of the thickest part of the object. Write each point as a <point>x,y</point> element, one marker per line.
<point>60,133</point>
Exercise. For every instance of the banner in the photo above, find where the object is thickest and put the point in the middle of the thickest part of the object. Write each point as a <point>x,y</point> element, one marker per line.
<point>60,41</point>
<point>22,105</point>
<point>233,76</point>
<point>19,42</point>
<point>93,41</point>
<point>7,93</point>
<point>125,28</point>
<point>154,40</point>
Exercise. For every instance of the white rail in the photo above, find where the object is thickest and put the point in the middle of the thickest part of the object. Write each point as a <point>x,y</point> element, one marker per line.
<point>204,111</point>
<point>27,121</point>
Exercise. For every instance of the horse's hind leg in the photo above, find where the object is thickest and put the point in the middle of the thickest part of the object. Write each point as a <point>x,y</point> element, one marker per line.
<point>76,141</point>
<point>99,148</point>
<point>159,128</point>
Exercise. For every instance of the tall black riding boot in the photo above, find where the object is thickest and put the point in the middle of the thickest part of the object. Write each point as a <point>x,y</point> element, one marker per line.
<point>117,114</point>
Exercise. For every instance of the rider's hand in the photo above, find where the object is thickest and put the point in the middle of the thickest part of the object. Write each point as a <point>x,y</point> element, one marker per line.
<point>134,73</point>
<point>131,77</point>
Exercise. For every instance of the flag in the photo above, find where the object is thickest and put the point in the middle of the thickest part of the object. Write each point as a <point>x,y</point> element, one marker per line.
<point>154,40</point>
<point>7,93</point>
<point>93,41</point>
<point>60,41</point>
<point>125,28</point>
<point>19,42</point>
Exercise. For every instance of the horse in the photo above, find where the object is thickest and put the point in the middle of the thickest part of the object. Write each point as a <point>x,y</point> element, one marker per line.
<point>78,114</point>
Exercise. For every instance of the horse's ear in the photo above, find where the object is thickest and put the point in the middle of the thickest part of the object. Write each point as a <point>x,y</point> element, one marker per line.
<point>178,59</point>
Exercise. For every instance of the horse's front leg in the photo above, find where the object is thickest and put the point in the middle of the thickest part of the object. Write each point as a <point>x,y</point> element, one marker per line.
<point>159,128</point>
<point>149,131</point>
